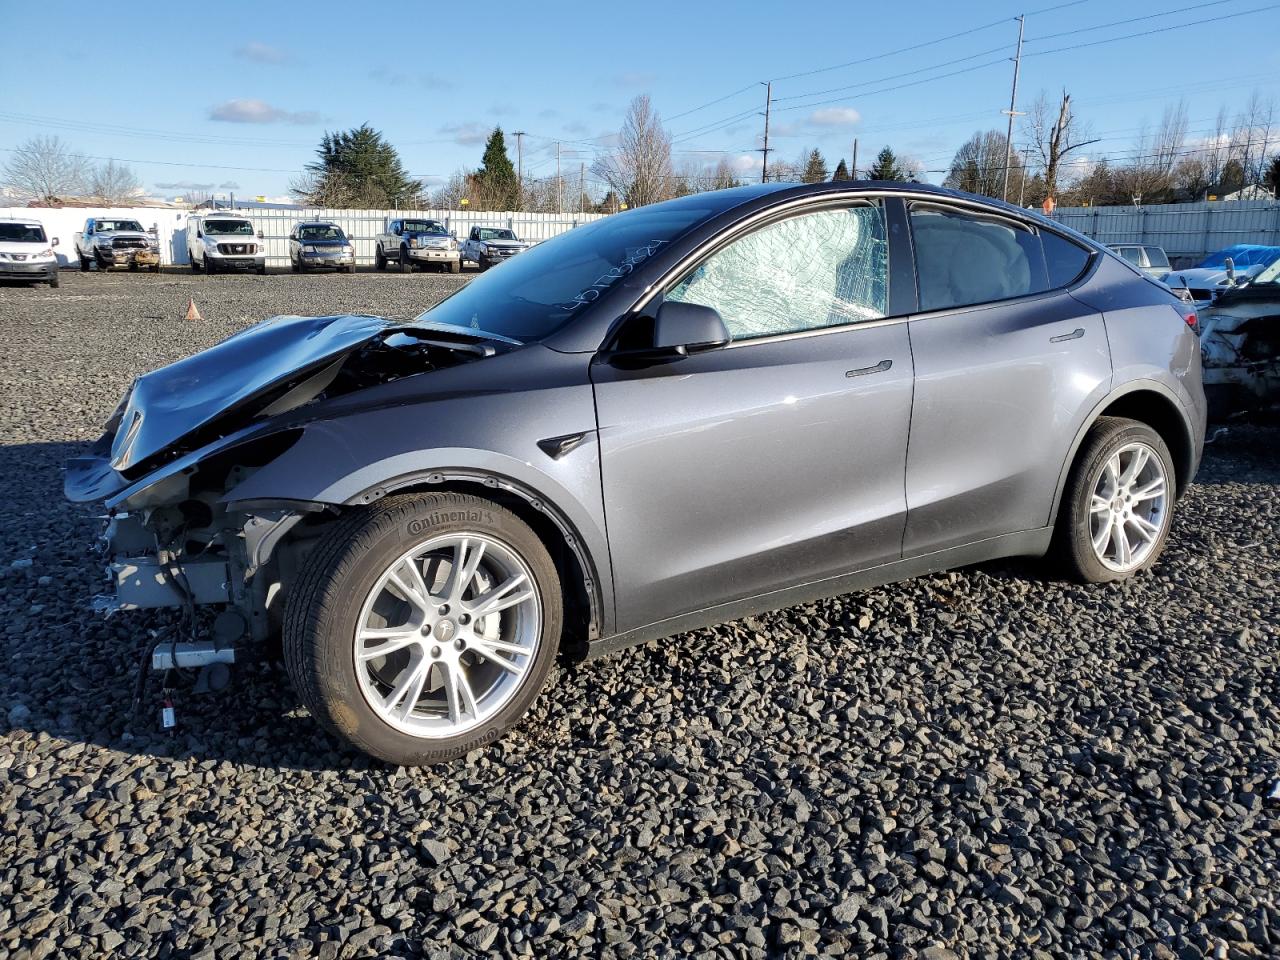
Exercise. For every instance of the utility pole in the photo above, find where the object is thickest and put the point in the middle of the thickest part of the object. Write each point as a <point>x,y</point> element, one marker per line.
<point>519,135</point>
<point>1013,109</point>
<point>559,190</point>
<point>764,159</point>
<point>853,170</point>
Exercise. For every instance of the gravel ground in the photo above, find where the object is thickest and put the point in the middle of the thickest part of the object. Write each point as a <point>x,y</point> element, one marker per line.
<point>975,764</point>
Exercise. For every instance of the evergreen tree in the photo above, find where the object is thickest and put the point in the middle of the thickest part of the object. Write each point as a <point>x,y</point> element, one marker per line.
<point>815,168</point>
<point>842,172</point>
<point>1271,178</point>
<point>496,178</point>
<point>886,167</point>
<point>358,168</point>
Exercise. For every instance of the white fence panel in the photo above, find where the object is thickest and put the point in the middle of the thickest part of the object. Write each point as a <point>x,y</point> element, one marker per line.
<point>1187,231</point>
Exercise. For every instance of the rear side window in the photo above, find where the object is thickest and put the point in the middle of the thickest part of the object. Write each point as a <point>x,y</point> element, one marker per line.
<point>1156,257</point>
<point>965,258</point>
<point>1064,258</point>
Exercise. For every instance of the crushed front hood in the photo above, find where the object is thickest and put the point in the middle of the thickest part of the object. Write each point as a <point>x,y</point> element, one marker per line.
<point>166,405</point>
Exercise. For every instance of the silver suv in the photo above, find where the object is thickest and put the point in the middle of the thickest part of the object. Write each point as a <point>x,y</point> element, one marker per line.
<point>671,417</point>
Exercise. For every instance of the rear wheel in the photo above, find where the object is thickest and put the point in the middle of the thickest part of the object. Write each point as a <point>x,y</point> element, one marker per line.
<point>1118,504</point>
<point>423,627</point>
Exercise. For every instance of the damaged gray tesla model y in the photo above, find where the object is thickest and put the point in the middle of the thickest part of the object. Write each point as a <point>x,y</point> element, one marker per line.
<point>670,417</point>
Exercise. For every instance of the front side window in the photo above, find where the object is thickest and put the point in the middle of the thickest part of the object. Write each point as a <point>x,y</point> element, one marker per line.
<point>965,258</point>
<point>821,269</point>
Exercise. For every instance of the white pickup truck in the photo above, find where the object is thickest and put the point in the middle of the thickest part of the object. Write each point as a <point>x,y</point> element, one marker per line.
<point>487,246</point>
<point>115,242</point>
<point>414,241</point>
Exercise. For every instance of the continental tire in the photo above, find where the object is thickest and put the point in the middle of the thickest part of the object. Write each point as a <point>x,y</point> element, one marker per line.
<point>417,668</point>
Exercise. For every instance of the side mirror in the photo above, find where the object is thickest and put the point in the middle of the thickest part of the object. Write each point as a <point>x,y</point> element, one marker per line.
<point>260,236</point>
<point>679,329</point>
<point>692,327</point>
<point>1231,270</point>
<point>199,233</point>
<point>55,242</point>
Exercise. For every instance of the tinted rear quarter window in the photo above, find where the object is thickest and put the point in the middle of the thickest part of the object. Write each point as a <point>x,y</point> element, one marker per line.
<point>1064,259</point>
<point>965,258</point>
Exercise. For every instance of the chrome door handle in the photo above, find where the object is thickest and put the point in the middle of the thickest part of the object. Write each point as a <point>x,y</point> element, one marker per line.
<point>1075,334</point>
<point>880,367</point>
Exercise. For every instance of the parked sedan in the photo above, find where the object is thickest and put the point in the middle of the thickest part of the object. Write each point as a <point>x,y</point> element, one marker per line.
<point>682,414</point>
<point>316,244</point>
<point>1151,260</point>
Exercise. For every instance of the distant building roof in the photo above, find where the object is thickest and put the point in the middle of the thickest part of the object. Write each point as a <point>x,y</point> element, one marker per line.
<point>248,205</point>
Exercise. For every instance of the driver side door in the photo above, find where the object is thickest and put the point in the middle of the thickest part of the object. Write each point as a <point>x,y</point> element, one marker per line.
<point>779,459</point>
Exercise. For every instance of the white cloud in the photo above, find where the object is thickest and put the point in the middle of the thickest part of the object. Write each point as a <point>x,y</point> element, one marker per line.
<point>259,111</point>
<point>744,162</point>
<point>184,185</point>
<point>834,117</point>
<point>467,134</point>
<point>259,52</point>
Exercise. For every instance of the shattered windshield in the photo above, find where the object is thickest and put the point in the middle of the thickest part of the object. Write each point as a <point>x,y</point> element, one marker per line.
<point>1269,275</point>
<point>228,228</point>
<point>537,293</point>
<point>1242,255</point>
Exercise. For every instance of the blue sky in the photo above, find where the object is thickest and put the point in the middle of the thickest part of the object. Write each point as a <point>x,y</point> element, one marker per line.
<point>235,96</point>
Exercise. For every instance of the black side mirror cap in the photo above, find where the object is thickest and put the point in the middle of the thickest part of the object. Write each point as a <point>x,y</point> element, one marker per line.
<point>693,326</point>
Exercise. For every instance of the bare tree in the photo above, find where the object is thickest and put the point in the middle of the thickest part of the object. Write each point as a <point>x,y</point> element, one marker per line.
<point>45,168</point>
<point>724,176</point>
<point>1055,131</point>
<point>1150,172</point>
<point>978,166</point>
<point>1251,136</point>
<point>639,168</point>
<point>115,183</point>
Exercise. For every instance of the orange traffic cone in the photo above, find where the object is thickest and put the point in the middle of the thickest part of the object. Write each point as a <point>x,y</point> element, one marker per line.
<point>192,312</point>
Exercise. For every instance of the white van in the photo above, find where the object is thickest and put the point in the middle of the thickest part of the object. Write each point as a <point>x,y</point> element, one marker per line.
<point>218,242</point>
<point>26,252</point>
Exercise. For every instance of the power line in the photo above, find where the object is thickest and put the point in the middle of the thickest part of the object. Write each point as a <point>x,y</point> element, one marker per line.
<point>1152,32</point>
<point>1121,23</point>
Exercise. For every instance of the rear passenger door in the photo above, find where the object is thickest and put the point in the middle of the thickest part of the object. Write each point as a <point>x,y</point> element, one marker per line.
<point>1007,365</point>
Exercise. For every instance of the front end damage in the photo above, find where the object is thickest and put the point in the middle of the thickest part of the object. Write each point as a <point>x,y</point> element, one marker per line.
<point>1240,350</point>
<point>184,439</point>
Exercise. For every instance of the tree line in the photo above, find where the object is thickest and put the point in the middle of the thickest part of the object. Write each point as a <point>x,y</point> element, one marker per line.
<point>360,168</point>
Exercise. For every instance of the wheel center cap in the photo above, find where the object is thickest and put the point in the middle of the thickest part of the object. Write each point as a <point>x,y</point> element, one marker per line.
<point>445,630</point>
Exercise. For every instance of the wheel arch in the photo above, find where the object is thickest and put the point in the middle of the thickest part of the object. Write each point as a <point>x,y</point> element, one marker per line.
<point>1149,402</point>
<point>583,589</point>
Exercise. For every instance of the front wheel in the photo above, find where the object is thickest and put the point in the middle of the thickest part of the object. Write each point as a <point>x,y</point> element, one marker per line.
<point>379,261</point>
<point>85,265</point>
<point>455,266</point>
<point>424,627</point>
<point>405,263</point>
<point>53,279</point>
<point>1118,503</point>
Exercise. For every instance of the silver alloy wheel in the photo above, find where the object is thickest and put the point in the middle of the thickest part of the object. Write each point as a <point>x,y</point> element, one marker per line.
<point>447,635</point>
<point>1128,507</point>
